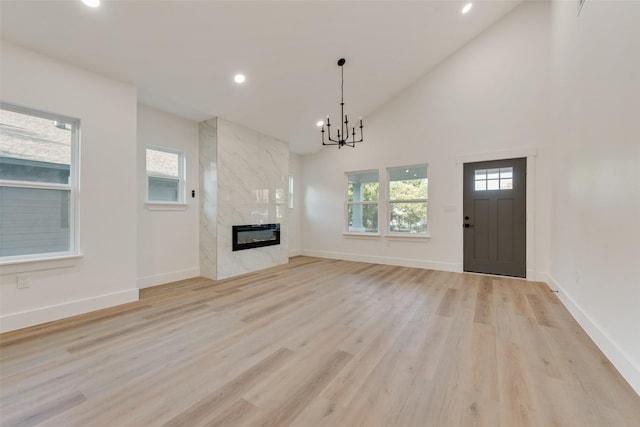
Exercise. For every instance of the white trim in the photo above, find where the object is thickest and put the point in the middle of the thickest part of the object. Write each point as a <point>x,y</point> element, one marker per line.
<point>35,185</point>
<point>10,322</point>
<point>165,206</point>
<point>41,263</point>
<point>498,155</point>
<point>530,154</point>
<point>363,234</point>
<point>295,252</point>
<point>401,262</point>
<point>161,279</point>
<point>618,357</point>
<point>407,236</point>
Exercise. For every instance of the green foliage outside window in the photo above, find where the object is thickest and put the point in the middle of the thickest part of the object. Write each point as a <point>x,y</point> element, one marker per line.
<point>408,201</point>
<point>363,192</point>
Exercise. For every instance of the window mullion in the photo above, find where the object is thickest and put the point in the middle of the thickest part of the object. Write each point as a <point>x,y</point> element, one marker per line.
<point>35,185</point>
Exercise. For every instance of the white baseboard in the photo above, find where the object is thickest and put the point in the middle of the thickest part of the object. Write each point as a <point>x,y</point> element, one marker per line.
<point>24,319</point>
<point>161,279</point>
<point>544,277</point>
<point>295,252</point>
<point>618,357</point>
<point>401,262</point>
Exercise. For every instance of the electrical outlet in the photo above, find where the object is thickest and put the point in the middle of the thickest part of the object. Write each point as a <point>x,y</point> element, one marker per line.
<point>24,282</point>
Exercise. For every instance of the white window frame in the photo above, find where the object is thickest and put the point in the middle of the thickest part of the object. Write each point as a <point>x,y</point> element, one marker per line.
<point>72,186</point>
<point>182,169</point>
<point>360,203</point>
<point>389,203</point>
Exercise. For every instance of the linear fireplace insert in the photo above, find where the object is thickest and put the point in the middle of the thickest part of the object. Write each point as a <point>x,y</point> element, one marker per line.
<point>255,236</point>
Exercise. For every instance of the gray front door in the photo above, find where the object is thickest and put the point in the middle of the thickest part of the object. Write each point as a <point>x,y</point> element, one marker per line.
<point>494,217</point>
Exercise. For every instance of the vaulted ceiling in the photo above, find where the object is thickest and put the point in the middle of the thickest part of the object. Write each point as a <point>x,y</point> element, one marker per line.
<point>182,54</point>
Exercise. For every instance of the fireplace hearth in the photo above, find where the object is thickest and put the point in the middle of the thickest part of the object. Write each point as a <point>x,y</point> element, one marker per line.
<point>255,236</point>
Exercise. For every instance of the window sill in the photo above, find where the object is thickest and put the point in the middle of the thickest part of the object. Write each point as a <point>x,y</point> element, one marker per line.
<point>158,206</point>
<point>407,236</point>
<point>362,235</point>
<point>36,264</point>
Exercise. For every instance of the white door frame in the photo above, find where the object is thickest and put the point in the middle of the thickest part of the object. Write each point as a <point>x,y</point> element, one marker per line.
<point>530,154</point>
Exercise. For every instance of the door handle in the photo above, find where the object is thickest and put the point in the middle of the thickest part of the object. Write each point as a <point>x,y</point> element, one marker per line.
<point>467,225</point>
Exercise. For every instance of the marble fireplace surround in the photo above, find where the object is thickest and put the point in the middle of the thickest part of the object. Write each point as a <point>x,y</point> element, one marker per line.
<point>243,180</point>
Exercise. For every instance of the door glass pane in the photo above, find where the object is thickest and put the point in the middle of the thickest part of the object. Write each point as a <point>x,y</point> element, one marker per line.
<point>494,179</point>
<point>481,174</point>
<point>506,173</point>
<point>506,184</point>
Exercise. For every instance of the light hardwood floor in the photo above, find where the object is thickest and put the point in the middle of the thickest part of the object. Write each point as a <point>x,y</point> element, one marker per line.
<point>318,343</point>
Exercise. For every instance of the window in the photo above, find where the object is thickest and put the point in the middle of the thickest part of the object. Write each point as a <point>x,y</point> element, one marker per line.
<point>408,189</point>
<point>165,175</point>
<point>280,203</point>
<point>362,201</point>
<point>290,191</point>
<point>38,184</point>
<point>494,179</point>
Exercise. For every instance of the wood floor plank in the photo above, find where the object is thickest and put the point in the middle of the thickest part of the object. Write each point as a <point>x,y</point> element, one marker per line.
<point>230,392</point>
<point>43,410</point>
<point>298,398</point>
<point>519,405</point>
<point>484,302</point>
<point>448,303</point>
<point>240,413</point>
<point>318,342</point>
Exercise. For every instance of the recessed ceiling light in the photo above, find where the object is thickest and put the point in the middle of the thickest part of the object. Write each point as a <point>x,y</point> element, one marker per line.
<point>239,78</point>
<point>320,123</point>
<point>91,3</point>
<point>467,7</point>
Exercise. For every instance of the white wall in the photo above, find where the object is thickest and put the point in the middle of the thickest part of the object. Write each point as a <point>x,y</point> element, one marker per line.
<point>106,274</point>
<point>294,216</point>
<point>490,97</point>
<point>596,238</point>
<point>167,236</point>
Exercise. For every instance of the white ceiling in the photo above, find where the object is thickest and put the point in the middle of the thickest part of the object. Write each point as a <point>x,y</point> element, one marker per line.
<point>182,54</point>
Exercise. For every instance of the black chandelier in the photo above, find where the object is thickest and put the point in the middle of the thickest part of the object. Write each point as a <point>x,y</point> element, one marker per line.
<point>342,138</point>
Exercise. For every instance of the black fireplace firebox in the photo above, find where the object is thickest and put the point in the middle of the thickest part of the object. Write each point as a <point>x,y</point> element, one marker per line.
<point>255,236</point>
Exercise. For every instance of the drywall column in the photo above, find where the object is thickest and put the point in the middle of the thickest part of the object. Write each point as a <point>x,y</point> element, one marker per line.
<point>208,197</point>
